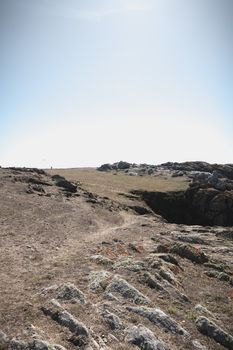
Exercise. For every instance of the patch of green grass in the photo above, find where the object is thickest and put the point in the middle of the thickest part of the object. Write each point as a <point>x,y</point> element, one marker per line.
<point>191,315</point>
<point>173,310</point>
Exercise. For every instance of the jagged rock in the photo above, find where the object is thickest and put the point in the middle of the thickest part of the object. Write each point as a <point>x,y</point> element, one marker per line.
<point>203,310</point>
<point>158,317</point>
<point>101,260</point>
<point>144,338</point>
<point>190,239</point>
<point>105,167</point>
<point>17,344</point>
<point>123,165</point>
<point>169,276</point>
<point>153,260</point>
<point>222,276</point>
<point>152,282</point>
<point>210,329</point>
<point>189,252</point>
<point>129,264</point>
<point>71,293</point>
<point>127,291</point>
<point>112,320</point>
<point>135,247</point>
<point>64,318</point>
<point>99,280</point>
<point>36,344</point>
<point>65,184</point>
<point>169,258</point>
<point>218,267</point>
<point>225,234</point>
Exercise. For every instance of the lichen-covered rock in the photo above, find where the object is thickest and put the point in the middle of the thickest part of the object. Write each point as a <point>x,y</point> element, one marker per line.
<point>169,276</point>
<point>69,292</point>
<point>152,282</point>
<point>169,259</point>
<point>129,264</point>
<point>144,338</point>
<point>64,318</point>
<point>36,344</point>
<point>3,340</point>
<point>158,317</point>
<point>189,252</point>
<point>101,260</point>
<point>210,329</point>
<point>17,344</point>
<point>153,260</point>
<point>127,291</point>
<point>203,310</point>
<point>99,280</point>
<point>113,321</point>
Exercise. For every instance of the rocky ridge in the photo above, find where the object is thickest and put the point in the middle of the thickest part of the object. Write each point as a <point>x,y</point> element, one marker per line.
<point>207,201</point>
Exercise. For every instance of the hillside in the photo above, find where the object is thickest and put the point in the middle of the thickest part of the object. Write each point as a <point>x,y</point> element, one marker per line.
<point>82,269</point>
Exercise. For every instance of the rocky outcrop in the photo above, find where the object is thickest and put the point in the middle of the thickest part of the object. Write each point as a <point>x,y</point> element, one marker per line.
<point>36,344</point>
<point>189,252</point>
<point>195,206</point>
<point>158,317</point>
<point>210,329</point>
<point>68,292</point>
<point>68,186</point>
<point>65,319</point>
<point>127,291</point>
<point>144,338</point>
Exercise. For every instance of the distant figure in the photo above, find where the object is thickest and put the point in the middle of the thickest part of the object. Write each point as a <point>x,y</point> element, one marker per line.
<point>51,168</point>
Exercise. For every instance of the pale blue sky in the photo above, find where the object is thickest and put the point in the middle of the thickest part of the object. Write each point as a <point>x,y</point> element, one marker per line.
<point>88,82</point>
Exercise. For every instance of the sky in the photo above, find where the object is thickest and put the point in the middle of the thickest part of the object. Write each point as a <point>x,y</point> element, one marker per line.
<point>86,82</point>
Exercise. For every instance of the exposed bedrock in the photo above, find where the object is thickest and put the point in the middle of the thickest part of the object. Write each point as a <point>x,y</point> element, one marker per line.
<point>195,206</point>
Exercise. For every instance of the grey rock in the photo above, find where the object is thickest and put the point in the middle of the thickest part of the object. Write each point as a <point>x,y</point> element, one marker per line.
<point>36,344</point>
<point>112,320</point>
<point>158,317</point>
<point>144,338</point>
<point>189,252</point>
<point>17,344</point>
<point>168,275</point>
<point>127,291</point>
<point>129,264</point>
<point>69,292</point>
<point>105,167</point>
<point>64,184</point>
<point>64,318</point>
<point>210,329</point>
<point>152,282</point>
<point>101,260</point>
<point>99,279</point>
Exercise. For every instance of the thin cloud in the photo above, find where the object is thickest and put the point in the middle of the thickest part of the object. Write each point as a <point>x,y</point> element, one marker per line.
<point>101,14</point>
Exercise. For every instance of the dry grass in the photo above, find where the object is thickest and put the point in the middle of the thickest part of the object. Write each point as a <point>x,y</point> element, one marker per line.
<point>112,184</point>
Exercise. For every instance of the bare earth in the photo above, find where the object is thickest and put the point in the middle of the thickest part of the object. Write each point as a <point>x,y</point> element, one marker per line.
<point>48,238</point>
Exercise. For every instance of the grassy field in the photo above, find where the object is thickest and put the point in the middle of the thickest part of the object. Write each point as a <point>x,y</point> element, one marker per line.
<point>111,185</point>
